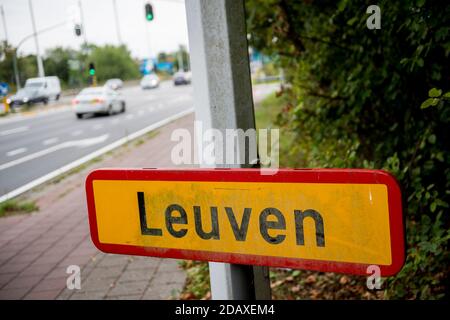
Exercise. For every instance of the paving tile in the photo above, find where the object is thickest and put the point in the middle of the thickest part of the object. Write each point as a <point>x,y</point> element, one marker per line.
<point>137,275</point>
<point>23,282</point>
<point>16,267</point>
<point>39,269</point>
<point>42,295</point>
<point>57,272</point>
<point>102,273</point>
<point>143,263</point>
<point>115,260</point>
<point>103,284</point>
<point>127,297</point>
<point>13,294</point>
<point>7,277</point>
<point>51,284</point>
<point>88,295</point>
<point>158,292</point>
<point>169,278</point>
<point>128,288</point>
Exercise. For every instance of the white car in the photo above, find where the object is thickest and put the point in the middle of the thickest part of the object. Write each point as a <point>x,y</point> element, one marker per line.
<point>150,81</point>
<point>114,84</point>
<point>98,100</point>
<point>45,88</point>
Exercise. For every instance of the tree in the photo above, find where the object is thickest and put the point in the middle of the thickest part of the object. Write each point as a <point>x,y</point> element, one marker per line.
<point>57,63</point>
<point>114,62</point>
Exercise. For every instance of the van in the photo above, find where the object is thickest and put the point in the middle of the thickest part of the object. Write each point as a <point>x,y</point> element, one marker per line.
<point>46,88</point>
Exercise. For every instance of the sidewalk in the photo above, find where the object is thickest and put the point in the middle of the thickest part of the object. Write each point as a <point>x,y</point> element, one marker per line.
<point>36,249</point>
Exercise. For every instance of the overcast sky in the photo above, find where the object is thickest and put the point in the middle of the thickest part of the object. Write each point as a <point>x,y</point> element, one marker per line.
<point>165,33</point>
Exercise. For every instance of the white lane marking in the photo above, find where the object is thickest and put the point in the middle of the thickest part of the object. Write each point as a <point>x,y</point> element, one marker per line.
<point>16,152</point>
<point>92,155</point>
<point>77,133</point>
<point>67,144</point>
<point>50,141</point>
<point>129,116</point>
<point>181,98</point>
<point>15,130</point>
<point>97,126</point>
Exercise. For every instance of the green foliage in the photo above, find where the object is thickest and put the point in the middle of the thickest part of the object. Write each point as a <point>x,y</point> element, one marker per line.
<point>371,99</point>
<point>71,66</point>
<point>197,283</point>
<point>11,207</point>
<point>113,62</point>
<point>175,57</point>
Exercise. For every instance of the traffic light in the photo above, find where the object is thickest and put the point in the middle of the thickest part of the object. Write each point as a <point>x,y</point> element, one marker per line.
<point>92,80</point>
<point>148,12</point>
<point>78,30</point>
<point>91,69</point>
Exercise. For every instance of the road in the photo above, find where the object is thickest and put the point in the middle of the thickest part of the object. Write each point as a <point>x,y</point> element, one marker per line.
<point>33,147</point>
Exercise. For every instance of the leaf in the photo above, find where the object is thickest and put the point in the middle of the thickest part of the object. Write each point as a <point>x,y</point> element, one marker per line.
<point>447,95</point>
<point>432,139</point>
<point>429,102</point>
<point>434,93</point>
<point>433,207</point>
<point>441,203</point>
<point>352,21</point>
<point>296,273</point>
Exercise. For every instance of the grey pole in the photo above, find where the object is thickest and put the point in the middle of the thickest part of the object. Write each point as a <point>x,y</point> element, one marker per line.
<point>4,23</point>
<point>83,26</point>
<point>180,59</point>
<point>40,65</point>
<point>16,69</point>
<point>223,100</point>
<point>117,22</point>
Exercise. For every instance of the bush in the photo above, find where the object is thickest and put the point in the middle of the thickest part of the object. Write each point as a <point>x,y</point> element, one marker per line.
<point>371,99</point>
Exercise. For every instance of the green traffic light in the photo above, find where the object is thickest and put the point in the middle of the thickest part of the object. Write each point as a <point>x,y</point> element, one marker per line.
<point>92,72</point>
<point>149,17</point>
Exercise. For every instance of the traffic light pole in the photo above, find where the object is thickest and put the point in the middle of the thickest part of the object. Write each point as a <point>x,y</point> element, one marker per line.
<point>116,16</point>
<point>223,100</point>
<point>83,26</point>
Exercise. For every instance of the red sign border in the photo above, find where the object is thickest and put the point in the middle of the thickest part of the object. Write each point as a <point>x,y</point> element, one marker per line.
<point>353,176</point>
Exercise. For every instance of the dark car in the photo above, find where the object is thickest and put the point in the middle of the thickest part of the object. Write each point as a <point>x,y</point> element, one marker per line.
<point>182,77</point>
<point>27,96</point>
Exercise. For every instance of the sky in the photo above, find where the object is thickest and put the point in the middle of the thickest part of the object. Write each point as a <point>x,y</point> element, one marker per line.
<point>166,32</point>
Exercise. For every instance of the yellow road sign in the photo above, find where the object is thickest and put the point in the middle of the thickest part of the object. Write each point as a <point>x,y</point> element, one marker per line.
<point>337,220</point>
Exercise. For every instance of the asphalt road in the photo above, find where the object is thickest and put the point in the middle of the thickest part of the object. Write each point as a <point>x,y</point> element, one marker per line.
<point>32,147</point>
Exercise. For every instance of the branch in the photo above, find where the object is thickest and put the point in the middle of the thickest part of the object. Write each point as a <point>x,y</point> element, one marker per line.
<point>291,33</point>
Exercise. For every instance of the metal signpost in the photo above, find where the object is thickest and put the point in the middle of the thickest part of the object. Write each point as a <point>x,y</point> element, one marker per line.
<point>223,100</point>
